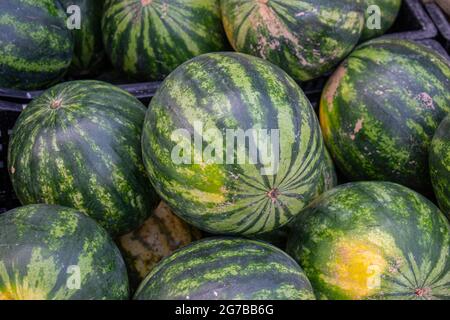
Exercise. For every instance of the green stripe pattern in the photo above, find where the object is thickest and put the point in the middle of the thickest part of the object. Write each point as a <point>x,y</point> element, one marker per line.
<point>79,145</point>
<point>373,240</point>
<point>388,13</point>
<point>306,38</point>
<point>440,165</point>
<point>380,109</point>
<point>56,253</point>
<point>35,44</point>
<point>226,269</point>
<point>148,39</point>
<point>231,91</point>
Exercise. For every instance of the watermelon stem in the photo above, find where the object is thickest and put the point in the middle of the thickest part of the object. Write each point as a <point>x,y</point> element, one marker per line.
<point>273,194</point>
<point>56,104</point>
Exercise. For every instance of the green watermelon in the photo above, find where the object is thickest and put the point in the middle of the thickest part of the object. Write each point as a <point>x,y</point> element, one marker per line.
<point>307,38</point>
<point>197,165</point>
<point>387,12</point>
<point>79,145</point>
<point>161,234</point>
<point>56,253</point>
<point>373,240</point>
<point>440,165</point>
<point>226,269</point>
<point>148,39</point>
<point>380,109</point>
<point>35,44</point>
<point>89,52</point>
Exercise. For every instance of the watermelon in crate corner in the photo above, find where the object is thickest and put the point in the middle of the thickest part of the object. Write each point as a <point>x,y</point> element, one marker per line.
<point>79,145</point>
<point>380,15</point>
<point>36,47</point>
<point>380,109</point>
<point>223,98</point>
<point>373,240</point>
<point>306,38</point>
<point>226,269</point>
<point>147,39</point>
<point>56,253</point>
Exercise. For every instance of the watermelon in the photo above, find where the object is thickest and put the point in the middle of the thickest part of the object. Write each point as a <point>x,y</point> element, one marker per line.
<point>35,44</point>
<point>226,269</point>
<point>386,12</point>
<point>373,240</point>
<point>306,38</point>
<point>56,253</point>
<point>148,39</point>
<point>88,52</point>
<point>158,237</point>
<point>78,145</point>
<point>440,165</point>
<point>380,109</point>
<point>214,181</point>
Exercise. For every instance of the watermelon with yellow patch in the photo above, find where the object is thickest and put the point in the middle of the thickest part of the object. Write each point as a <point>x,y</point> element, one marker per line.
<point>56,253</point>
<point>158,237</point>
<point>373,240</point>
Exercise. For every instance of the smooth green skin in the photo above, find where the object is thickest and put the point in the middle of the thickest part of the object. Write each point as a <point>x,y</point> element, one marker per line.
<point>380,109</point>
<point>226,269</point>
<point>79,145</point>
<point>39,243</point>
<point>88,52</point>
<point>306,38</point>
<point>233,91</point>
<point>35,45</point>
<point>149,39</point>
<point>389,11</point>
<point>440,165</point>
<point>373,240</point>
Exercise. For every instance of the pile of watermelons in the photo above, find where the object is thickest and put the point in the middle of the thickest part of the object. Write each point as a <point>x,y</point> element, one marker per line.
<point>231,146</point>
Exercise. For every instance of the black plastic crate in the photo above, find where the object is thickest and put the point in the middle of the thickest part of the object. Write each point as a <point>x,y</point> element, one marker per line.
<point>442,23</point>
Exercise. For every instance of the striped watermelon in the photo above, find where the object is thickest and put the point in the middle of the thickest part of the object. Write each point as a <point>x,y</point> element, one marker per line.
<point>78,145</point>
<point>387,12</point>
<point>306,38</point>
<point>158,237</point>
<point>373,240</point>
<point>226,269</point>
<point>88,53</point>
<point>56,253</point>
<point>35,44</point>
<point>440,165</point>
<point>380,109</point>
<point>149,38</point>
<point>206,100</point>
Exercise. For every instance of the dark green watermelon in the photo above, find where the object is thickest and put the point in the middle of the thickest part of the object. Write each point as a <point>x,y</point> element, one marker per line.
<point>35,44</point>
<point>440,165</point>
<point>212,187</point>
<point>148,39</point>
<point>79,145</point>
<point>88,52</point>
<point>387,12</point>
<point>373,240</point>
<point>226,269</point>
<point>56,253</point>
<point>307,38</point>
<point>380,109</point>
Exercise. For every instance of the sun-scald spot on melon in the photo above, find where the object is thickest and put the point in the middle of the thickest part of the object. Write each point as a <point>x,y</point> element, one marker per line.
<point>333,85</point>
<point>426,100</point>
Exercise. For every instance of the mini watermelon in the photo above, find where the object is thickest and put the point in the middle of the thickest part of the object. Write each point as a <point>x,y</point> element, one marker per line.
<point>440,165</point>
<point>385,13</point>
<point>158,237</point>
<point>307,38</point>
<point>226,269</point>
<point>35,44</point>
<point>223,97</point>
<point>148,39</point>
<point>79,145</point>
<point>373,240</point>
<point>89,52</point>
<point>380,109</point>
<point>56,253</point>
